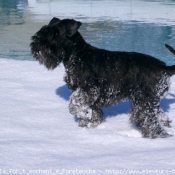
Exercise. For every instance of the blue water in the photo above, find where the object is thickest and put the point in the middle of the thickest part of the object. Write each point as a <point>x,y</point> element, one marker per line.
<point>130,25</point>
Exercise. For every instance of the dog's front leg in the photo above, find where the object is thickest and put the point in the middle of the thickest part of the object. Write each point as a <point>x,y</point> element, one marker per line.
<point>84,109</point>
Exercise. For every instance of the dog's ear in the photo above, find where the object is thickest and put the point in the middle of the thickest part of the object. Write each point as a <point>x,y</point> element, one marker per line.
<point>54,21</point>
<point>72,27</point>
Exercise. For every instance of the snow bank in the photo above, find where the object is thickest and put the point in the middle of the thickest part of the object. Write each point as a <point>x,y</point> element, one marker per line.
<point>39,136</point>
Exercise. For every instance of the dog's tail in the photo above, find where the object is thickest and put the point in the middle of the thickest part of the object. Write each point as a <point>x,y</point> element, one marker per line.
<point>170,48</point>
<point>170,69</point>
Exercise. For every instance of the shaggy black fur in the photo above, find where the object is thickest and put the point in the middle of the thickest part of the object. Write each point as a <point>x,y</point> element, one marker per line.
<point>99,78</point>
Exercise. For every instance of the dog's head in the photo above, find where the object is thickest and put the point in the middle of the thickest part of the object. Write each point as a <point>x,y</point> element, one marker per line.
<point>49,45</point>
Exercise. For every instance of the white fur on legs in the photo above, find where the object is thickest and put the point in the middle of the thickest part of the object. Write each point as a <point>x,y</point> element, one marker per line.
<point>164,120</point>
<point>79,105</point>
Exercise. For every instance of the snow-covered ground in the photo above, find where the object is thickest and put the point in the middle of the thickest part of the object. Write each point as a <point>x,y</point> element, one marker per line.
<point>39,136</point>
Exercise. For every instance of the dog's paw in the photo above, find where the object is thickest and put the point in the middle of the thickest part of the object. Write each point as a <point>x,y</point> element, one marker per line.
<point>162,134</point>
<point>87,123</point>
<point>154,131</point>
<point>165,135</point>
<point>159,133</point>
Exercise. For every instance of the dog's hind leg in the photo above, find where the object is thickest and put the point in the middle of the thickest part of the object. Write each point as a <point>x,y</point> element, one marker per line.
<point>145,115</point>
<point>84,109</point>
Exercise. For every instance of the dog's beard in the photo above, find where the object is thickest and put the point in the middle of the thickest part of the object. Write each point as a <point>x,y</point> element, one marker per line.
<point>46,47</point>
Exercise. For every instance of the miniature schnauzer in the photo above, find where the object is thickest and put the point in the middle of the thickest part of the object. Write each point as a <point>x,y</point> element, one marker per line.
<point>99,78</point>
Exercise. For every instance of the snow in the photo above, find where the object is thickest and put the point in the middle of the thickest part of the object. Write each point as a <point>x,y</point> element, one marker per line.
<point>39,136</point>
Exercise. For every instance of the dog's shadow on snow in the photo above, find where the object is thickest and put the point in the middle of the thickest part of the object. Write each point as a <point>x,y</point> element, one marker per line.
<point>120,108</point>
<point>64,92</point>
<point>166,102</point>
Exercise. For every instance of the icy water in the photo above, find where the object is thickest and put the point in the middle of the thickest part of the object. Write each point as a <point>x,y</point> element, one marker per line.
<point>127,25</point>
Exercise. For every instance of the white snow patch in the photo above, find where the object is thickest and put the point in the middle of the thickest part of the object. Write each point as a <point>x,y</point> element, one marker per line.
<point>37,131</point>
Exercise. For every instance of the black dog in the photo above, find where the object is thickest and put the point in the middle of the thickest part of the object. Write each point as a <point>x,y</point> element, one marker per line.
<point>99,78</point>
